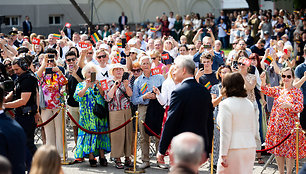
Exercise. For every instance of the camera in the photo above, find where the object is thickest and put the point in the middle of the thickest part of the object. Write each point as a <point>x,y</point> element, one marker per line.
<point>50,55</point>
<point>49,70</point>
<point>8,85</point>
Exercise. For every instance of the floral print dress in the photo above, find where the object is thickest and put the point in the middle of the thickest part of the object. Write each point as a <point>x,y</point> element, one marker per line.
<point>90,143</point>
<point>282,121</point>
<point>51,86</point>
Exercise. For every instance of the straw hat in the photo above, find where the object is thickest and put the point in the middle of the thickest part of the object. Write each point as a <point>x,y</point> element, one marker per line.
<point>117,65</point>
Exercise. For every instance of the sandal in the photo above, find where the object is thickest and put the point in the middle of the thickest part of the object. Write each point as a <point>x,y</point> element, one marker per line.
<point>128,163</point>
<point>119,164</point>
<point>103,161</point>
<point>79,160</point>
<point>260,161</point>
<point>93,162</point>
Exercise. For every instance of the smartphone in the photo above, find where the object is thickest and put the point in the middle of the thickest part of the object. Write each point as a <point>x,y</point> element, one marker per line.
<point>235,64</point>
<point>125,76</point>
<point>48,70</point>
<point>207,46</point>
<point>93,76</point>
<point>50,55</point>
<point>201,66</point>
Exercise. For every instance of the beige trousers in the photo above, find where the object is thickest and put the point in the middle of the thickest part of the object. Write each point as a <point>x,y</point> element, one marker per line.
<point>121,140</point>
<point>53,129</point>
<point>144,137</point>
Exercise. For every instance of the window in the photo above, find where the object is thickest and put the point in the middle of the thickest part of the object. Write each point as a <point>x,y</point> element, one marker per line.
<point>55,20</point>
<point>11,20</point>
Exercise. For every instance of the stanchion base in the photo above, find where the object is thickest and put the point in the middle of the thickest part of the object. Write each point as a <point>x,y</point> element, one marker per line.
<point>131,170</point>
<point>67,162</point>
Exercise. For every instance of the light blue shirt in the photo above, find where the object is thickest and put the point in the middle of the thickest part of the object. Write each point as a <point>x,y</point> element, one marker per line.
<point>156,80</point>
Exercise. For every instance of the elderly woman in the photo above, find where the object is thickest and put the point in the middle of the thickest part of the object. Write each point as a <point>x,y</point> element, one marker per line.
<point>88,94</point>
<point>288,102</point>
<point>237,122</point>
<point>156,58</point>
<point>52,80</point>
<point>118,95</point>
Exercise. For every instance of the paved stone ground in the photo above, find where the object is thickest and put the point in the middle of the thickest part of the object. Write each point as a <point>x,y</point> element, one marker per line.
<point>84,168</point>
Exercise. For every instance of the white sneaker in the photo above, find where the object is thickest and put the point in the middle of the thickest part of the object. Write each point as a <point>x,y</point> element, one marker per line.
<point>144,165</point>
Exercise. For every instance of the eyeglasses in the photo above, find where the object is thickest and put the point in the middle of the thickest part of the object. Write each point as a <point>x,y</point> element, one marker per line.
<point>70,60</point>
<point>102,56</point>
<point>240,63</point>
<point>288,76</point>
<point>136,70</point>
<point>51,61</point>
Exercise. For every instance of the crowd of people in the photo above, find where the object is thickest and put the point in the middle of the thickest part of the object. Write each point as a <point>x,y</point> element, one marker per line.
<point>175,73</point>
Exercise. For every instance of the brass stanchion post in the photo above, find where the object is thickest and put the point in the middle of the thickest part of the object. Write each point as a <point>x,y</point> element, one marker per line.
<point>64,161</point>
<point>134,170</point>
<point>212,157</point>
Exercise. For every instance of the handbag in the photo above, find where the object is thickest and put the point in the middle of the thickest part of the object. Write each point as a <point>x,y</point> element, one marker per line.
<point>100,111</point>
<point>42,102</point>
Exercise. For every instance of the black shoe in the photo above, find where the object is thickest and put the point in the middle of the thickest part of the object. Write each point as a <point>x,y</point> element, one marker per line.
<point>93,163</point>
<point>103,161</point>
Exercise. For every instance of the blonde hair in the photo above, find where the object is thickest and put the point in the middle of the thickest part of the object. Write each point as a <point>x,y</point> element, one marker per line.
<point>285,70</point>
<point>87,67</point>
<point>46,161</point>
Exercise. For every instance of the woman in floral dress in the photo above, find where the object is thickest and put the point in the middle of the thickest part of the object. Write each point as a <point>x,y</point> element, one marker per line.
<point>52,80</point>
<point>91,145</point>
<point>288,102</point>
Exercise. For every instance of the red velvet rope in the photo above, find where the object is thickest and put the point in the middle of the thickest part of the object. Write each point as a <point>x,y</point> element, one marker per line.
<point>150,130</point>
<point>50,119</point>
<point>284,139</point>
<point>263,150</point>
<point>97,133</point>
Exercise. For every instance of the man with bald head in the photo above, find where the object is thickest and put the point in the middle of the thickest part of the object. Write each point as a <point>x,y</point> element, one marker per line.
<point>187,151</point>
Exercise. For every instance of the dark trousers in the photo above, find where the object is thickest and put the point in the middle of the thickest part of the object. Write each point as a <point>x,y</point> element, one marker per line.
<point>27,122</point>
<point>303,118</point>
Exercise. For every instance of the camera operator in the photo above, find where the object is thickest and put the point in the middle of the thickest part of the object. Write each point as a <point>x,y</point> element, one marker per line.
<point>24,100</point>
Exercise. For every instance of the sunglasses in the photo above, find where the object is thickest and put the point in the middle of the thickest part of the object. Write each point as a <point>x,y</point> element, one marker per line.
<point>239,63</point>
<point>9,64</point>
<point>136,70</point>
<point>288,76</point>
<point>51,61</point>
<point>71,60</point>
<point>133,53</point>
<point>153,58</point>
<point>102,56</point>
<point>191,49</point>
<point>90,53</point>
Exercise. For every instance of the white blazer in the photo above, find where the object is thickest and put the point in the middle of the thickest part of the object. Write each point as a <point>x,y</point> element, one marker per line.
<point>237,121</point>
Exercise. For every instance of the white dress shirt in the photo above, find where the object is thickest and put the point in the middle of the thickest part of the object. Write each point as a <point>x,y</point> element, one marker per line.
<point>166,91</point>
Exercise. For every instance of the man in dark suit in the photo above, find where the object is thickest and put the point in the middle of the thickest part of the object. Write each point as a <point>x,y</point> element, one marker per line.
<point>68,32</point>
<point>190,110</point>
<point>27,26</point>
<point>12,140</point>
<point>123,20</point>
<point>249,40</point>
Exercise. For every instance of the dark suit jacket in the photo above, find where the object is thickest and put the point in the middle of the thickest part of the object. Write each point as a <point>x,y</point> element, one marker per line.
<point>12,143</point>
<point>26,29</point>
<point>66,33</point>
<point>190,110</point>
<point>249,41</point>
<point>120,24</point>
